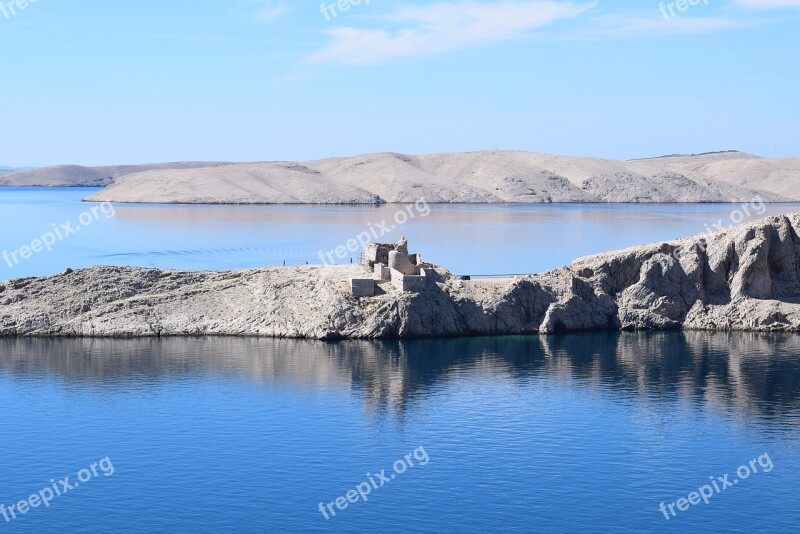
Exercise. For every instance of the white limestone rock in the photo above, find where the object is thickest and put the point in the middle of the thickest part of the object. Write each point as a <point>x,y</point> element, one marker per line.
<point>747,278</point>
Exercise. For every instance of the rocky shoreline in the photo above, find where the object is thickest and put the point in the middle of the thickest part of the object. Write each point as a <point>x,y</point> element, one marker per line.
<point>746,278</point>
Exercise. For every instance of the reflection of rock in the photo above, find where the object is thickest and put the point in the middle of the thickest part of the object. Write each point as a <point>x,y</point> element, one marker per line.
<point>745,372</point>
<point>741,371</point>
<point>747,278</point>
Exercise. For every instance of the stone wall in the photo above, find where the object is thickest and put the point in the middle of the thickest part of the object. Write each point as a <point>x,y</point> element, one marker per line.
<point>404,282</point>
<point>382,272</point>
<point>362,287</point>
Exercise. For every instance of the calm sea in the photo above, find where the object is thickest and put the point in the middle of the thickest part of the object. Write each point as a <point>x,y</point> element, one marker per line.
<point>579,433</point>
<point>469,239</point>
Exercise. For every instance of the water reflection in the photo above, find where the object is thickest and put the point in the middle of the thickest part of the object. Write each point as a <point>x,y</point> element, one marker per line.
<point>737,372</point>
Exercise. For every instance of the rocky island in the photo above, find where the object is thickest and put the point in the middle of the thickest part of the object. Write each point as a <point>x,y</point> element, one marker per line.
<point>745,278</point>
<point>484,177</point>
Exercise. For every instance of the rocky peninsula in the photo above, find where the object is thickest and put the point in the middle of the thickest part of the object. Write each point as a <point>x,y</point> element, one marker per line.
<point>745,278</point>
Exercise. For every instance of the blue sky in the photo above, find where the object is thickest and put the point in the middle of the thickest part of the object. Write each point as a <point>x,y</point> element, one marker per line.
<point>98,82</point>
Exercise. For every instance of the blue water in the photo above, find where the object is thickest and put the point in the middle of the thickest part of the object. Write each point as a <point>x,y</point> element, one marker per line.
<point>581,433</point>
<point>469,239</point>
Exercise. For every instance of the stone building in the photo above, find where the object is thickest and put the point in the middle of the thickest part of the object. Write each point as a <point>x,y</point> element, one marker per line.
<point>393,263</point>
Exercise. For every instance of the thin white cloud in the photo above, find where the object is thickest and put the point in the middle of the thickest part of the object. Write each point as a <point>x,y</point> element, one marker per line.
<point>636,24</point>
<point>270,10</point>
<point>768,4</point>
<point>443,27</point>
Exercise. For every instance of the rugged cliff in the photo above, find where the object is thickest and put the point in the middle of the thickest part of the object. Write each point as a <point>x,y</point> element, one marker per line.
<point>747,278</point>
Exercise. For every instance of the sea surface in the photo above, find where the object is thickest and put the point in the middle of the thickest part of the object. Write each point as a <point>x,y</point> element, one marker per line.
<point>578,433</point>
<point>468,239</point>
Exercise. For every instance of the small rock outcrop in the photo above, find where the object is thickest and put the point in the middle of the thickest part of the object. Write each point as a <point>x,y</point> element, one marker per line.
<point>746,278</point>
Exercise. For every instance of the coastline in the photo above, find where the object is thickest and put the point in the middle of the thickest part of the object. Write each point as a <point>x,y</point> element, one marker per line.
<point>745,278</point>
<point>382,202</point>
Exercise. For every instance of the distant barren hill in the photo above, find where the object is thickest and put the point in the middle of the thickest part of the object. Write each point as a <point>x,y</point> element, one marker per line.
<point>472,177</point>
<point>9,170</point>
<point>78,176</point>
<point>243,183</point>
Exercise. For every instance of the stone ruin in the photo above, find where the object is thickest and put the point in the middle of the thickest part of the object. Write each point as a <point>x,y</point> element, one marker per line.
<point>393,264</point>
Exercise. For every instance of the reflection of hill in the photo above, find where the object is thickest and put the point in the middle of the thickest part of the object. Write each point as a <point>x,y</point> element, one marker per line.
<point>742,372</point>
